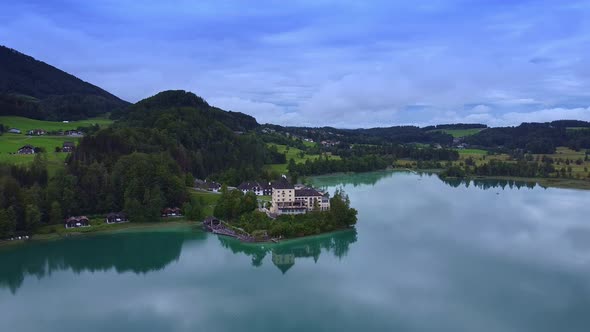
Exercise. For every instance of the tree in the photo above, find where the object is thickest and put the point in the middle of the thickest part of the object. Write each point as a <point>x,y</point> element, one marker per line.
<point>55,214</point>
<point>341,212</point>
<point>32,217</point>
<point>5,226</point>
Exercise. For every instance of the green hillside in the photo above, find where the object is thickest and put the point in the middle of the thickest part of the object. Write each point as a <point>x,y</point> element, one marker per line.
<point>34,89</point>
<point>26,124</point>
<point>457,133</point>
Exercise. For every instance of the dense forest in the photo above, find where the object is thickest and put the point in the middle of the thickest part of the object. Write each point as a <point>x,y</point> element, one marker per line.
<point>141,164</point>
<point>34,89</point>
<point>534,137</point>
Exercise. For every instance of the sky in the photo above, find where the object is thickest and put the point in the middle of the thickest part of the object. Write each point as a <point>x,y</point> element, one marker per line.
<point>336,63</point>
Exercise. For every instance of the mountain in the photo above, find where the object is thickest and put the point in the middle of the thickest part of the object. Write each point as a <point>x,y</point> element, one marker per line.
<point>34,89</point>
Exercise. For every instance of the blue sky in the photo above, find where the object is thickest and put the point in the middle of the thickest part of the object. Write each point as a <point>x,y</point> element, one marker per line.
<point>338,63</point>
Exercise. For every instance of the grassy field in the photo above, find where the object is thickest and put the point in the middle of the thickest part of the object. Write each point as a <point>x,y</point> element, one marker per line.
<point>10,143</point>
<point>297,155</point>
<point>26,124</point>
<point>471,151</point>
<point>208,198</point>
<point>560,156</point>
<point>460,132</point>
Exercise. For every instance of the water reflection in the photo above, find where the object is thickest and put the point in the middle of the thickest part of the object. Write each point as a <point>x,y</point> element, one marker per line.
<point>358,179</point>
<point>139,252</point>
<point>490,183</point>
<point>284,255</point>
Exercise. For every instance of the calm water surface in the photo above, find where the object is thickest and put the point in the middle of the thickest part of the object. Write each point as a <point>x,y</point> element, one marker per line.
<point>425,256</point>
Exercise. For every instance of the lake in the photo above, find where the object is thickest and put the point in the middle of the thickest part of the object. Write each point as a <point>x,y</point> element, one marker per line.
<point>425,256</point>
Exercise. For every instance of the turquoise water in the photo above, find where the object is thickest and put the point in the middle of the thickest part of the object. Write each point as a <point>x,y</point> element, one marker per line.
<point>425,256</point>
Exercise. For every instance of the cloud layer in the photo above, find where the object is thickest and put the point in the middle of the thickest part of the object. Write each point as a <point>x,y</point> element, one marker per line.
<point>344,64</point>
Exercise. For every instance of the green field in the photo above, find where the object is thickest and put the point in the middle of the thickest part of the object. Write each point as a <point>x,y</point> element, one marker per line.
<point>209,200</point>
<point>457,133</point>
<point>472,151</point>
<point>26,124</point>
<point>297,155</point>
<point>10,143</point>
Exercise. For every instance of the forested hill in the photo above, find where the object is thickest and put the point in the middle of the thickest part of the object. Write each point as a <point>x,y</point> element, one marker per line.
<point>147,112</point>
<point>202,140</point>
<point>34,89</point>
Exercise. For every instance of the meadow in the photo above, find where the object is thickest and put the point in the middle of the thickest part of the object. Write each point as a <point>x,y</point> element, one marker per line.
<point>26,124</point>
<point>299,156</point>
<point>10,143</point>
<point>208,199</point>
<point>563,157</point>
<point>457,133</point>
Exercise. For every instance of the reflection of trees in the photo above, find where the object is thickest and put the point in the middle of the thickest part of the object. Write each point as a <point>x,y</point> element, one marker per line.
<point>136,252</point>
<point>489,183</point>
<point>355,179</point>
<point>285,254</point>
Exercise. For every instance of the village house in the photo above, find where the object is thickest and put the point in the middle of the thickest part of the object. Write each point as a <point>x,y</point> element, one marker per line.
<point>116,217</point>
<point>68,147</point>
<point>14,131</point>
<point>75,222</point>
<point>73,133</point>
<point>200,184</point>
<point>171,212</point>
<point>27,149</point>
<point>267,189</point>
<point>36,132</point>
<point>213,186</point>
<point>252,186</point>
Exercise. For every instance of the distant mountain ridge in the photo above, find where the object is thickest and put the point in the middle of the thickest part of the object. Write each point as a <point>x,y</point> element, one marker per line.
<point>34,89</point>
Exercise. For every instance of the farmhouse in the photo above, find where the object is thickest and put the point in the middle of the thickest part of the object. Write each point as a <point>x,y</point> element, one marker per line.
<point>116,217</point>
<point>254,187</point>
<point>68,147</point>
<point>14,131</point>
<point>36,132</point>
<point>213,186</point>
<point>27,149</point>
<point>73,133</point>
<point>75,222</point>
<point>171,212</point>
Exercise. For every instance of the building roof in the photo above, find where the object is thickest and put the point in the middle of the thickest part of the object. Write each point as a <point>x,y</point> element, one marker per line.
<point>249,185</point>
<point>282,184</point>
<point>307,192</point>
<point>213,184</point>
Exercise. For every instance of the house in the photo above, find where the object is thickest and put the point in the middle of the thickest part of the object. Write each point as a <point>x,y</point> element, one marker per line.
<point>73,133</point>
<point>199,184</point>
<point>286,199</point>
<point>171,212</point>
<point>27,149</point>
<point>14,131</point>
<point>116,217</point>
<point>252,186</point>
<point>213,186</point>
<point>36,132</point>
<point>75,222</point>
<point>267,189</point>
<point>68,147</point>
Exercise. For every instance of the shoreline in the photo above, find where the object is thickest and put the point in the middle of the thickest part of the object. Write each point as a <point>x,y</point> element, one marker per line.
<point>559,183</point>
<point>287,240</point>
<point>114,228</point>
